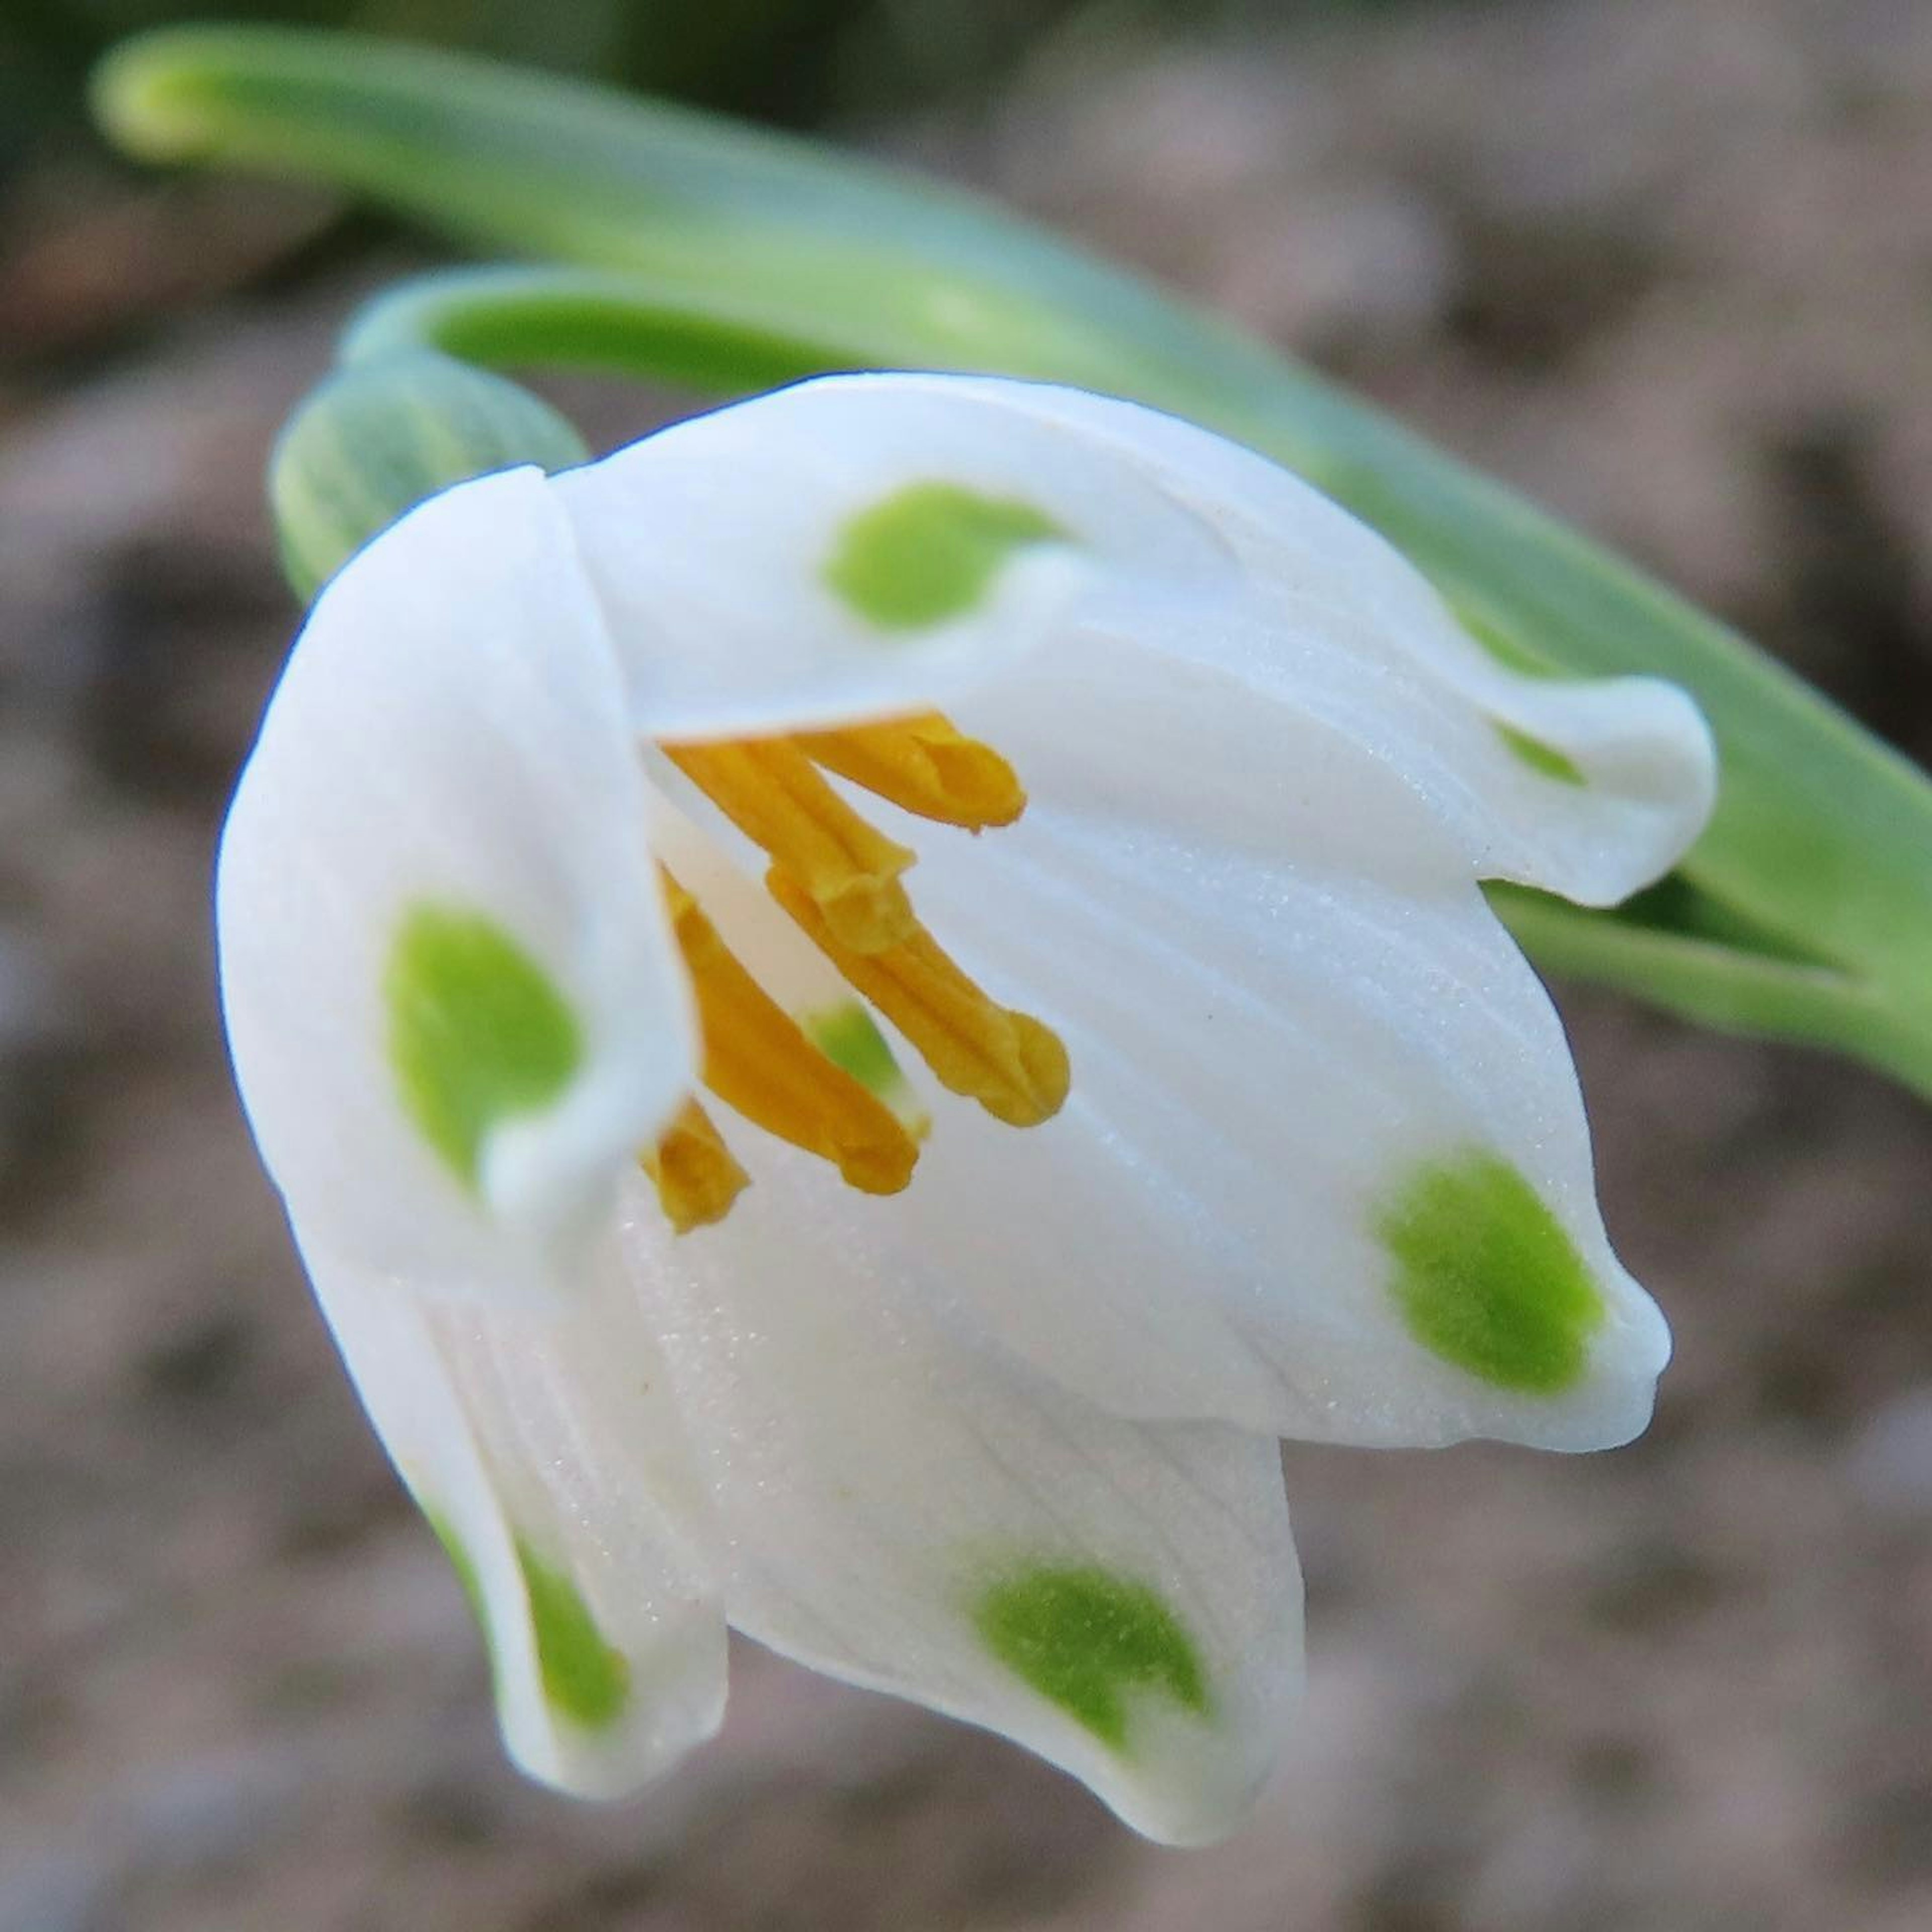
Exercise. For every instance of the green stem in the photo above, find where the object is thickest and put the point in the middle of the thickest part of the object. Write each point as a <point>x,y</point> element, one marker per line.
<point>1719,985</point>
<point>507,318</point>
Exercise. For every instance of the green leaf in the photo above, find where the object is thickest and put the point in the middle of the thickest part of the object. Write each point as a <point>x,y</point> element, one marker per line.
<point>730,259</point>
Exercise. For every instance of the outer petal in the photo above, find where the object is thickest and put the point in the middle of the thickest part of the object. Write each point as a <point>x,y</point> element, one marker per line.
<point>451,996</point>
<point>544,1454</point>
<point>860,545</point>
<point>1325,1171</point>
<point>1268,770</point>
<point>906,1509</point>
<point>719,550</point>
<point>1589,789</point>
<point>1339,1097</point>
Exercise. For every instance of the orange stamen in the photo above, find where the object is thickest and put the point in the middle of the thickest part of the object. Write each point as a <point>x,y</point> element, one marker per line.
<point>925,766</point>
<point>697,1180</point>
<point>758,1061</point>
<point>1013,1064</point>
<point>773,793</point>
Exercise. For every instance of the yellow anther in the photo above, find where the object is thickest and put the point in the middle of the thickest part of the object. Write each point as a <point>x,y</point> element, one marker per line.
<point>697,1180</point>
<point>757,1061</point>
<point>925,765</point>
<point>1015,1066</point>
<point>773,793</point>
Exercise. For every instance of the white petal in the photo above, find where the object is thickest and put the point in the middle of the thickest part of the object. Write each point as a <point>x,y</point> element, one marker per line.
<point>1289,1013</point>
<point>713,544</point>
<point>1287,1008</point>
<point>1589,789</point>
<point>716,546</point>
<point>543,1454</point>
<point>451,994</point>
<point>906,1510</point>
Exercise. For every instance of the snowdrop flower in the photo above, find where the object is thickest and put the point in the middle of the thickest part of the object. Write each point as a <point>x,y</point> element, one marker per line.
<point>1042,1179</point>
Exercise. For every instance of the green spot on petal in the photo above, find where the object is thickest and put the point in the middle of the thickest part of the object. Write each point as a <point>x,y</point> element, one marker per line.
<point>929,552</point>
<point>1084,1637</point>
<point>582,1676</point>
<point>1501,643</point>
<point>1487,1278</point>
<point>1545,760</point>
<point>460,1561</point>
<point>477,1032</point>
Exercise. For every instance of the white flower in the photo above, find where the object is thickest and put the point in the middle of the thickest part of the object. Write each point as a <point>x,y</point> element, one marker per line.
<point>1283,1139</point>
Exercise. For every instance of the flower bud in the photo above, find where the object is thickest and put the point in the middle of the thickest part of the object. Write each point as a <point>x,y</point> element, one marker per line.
<point>374,440</point>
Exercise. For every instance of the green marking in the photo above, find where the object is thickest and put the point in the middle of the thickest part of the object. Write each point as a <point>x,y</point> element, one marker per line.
<point>459,1561</point>
<point>846,1037</point>
<point>1083,1637</point>
<point>845,1034</point>
<point>1500,643</point>
<point>1544,759</point>
<point>464,1565</point>
<point>1487,1278</point>
<point>582,1676</point>
<point>929,552</point>
<point>477,1032</point>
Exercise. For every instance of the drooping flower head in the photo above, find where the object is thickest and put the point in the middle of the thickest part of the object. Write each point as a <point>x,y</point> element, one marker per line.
<point>1049,839</point>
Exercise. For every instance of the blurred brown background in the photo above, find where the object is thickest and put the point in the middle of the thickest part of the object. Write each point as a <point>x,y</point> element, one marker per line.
<point>1666,263</point>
